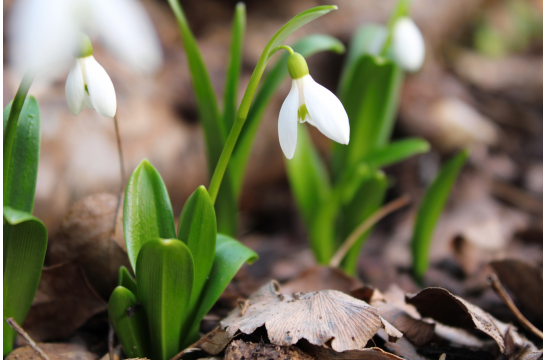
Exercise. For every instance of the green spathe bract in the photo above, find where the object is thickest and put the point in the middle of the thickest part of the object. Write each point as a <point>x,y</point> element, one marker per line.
<point>297,66</point>
<point>430,209</point>
<point>164,276</point>
<point>125,279</point>
<point>132,331</point>
<point>25,243</point>
<point>147,212</point>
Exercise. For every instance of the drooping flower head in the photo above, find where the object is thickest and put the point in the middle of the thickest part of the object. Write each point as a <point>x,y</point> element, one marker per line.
<point>408,45</point>
<point>310,102</point>
<point>88,84</point>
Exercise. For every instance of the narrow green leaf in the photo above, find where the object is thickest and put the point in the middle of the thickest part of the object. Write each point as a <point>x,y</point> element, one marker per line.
<point>214,130</point>
<point>226,206</point>
<point>165,278</point>
<point>396,152</point>
<point>308,176</point>
<point>126,280</point>
<point>132,332</point>
<point>197,229</point>
<point>25,243</point>
<point>367,40</point>
<point>306,46</point>
<point>430,209</point>
<point>230,256</point>
<point>233,71</point>
<point>23,168</point>
<point>147,213</point>
<point>367,199</point>
<point>370,101</point>
<point>322,230</point>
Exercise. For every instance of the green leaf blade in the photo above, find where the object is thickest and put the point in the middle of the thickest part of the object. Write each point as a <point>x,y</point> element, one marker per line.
<point>147,212</point>
<point>22,173</point>
<point>197,229</point>
<point>396,152</point>
<point>214,130</point>
<point>366,200</point>
<point>132,332</point>
<point>230,256</point>
<point>165,278</point>
<point>125,279</point>
<point>235,64</point>
<point>430,209</point>
<point>25,243</point>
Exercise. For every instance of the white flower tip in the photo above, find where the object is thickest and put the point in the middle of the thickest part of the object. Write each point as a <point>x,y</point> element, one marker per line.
<point>101,89</point>
<point>408,45</point>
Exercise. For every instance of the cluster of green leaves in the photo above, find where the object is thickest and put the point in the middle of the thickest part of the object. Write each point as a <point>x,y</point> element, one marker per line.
<point>25,236</point>
<point>179,274</point>
<point>216,125</point>
<point>334,203</point>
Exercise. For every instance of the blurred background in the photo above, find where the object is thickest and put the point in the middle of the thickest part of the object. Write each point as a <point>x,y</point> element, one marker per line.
<point>481,86</point>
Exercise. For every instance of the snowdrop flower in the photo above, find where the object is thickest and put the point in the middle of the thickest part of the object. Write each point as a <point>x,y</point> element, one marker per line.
<point>88,84</point>
<point>408,45</point>
<point>309,102</point>
<point>44,32</point>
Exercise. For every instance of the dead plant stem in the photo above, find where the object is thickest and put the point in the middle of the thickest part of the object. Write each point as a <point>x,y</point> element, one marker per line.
<point>19,330</point>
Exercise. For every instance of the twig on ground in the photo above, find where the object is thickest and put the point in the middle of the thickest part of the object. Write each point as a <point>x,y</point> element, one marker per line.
<point>19,330</point>
<point>366,225</point>
<point>504,296</point>
<point>111,341</point>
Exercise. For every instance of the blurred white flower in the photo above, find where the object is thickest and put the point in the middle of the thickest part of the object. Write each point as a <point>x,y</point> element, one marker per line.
<point>42,33</point>
<point>311,102</point>
<point>89,85</point>
<point>408,45</point>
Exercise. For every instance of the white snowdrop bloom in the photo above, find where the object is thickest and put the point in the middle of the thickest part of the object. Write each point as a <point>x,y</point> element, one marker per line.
<point>408,45</point>
<point>89,85</point>
<point>42,33</point>
<point>310,102</point>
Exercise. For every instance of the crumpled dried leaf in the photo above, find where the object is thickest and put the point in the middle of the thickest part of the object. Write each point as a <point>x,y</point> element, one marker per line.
<point>373,353</point>
<point>402,347</point>
<point>524,281</point>
<point>326,318</point>
<point>64,302</point>
<point>54,352</point>
<point>85,236</point>
<point>439,304</point>
<point>392,307</point>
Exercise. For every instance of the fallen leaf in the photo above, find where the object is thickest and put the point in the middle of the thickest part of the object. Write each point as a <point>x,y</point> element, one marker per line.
<point>524,281</point>
<point>85,236</point>
<point>402,347</point>
<point>54,352</point>
<point>326,318</point>
<point>64,302</point>
<point>439,304</point>
<point>322,353</point>
<point>392,307</point>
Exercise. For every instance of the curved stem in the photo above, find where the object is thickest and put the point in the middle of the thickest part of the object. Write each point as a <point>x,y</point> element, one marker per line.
<point>122,173</point>
<point>13,119</point>
<point>286,47</point>
<point>366,225</point>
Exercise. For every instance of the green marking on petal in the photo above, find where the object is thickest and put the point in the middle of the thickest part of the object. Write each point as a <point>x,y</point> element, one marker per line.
<point>86,89</point>
<point>302,113</point>
<point>84,47</point>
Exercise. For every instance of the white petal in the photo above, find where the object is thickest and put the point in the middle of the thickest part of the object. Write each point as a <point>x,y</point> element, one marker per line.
<point>408,45</point>
<point>101,88</point>
<point>75,89</point>
<point>127,31</point>
<point>41,36</point>
<point>287,122</point>
<point>326,111</point>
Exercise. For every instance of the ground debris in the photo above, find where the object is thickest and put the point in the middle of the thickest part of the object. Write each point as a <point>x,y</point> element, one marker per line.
<point>239,350</point>
<point>54,352</point>
<point>326,318</point>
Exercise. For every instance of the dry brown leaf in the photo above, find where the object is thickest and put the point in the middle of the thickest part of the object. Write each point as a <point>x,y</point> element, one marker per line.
<point>401,348</point>
<point>322,353</point>
<point>326,318</point>
<point>439,304</point>
<point>524,281</point>
<point>322,278</point>
<point>85,236</point>
<point>215,341</point>
<point>240,350</point>
<point>404,317</point>
<point>458,336</point>
<point>64,301</point>
<point>54,352</point>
